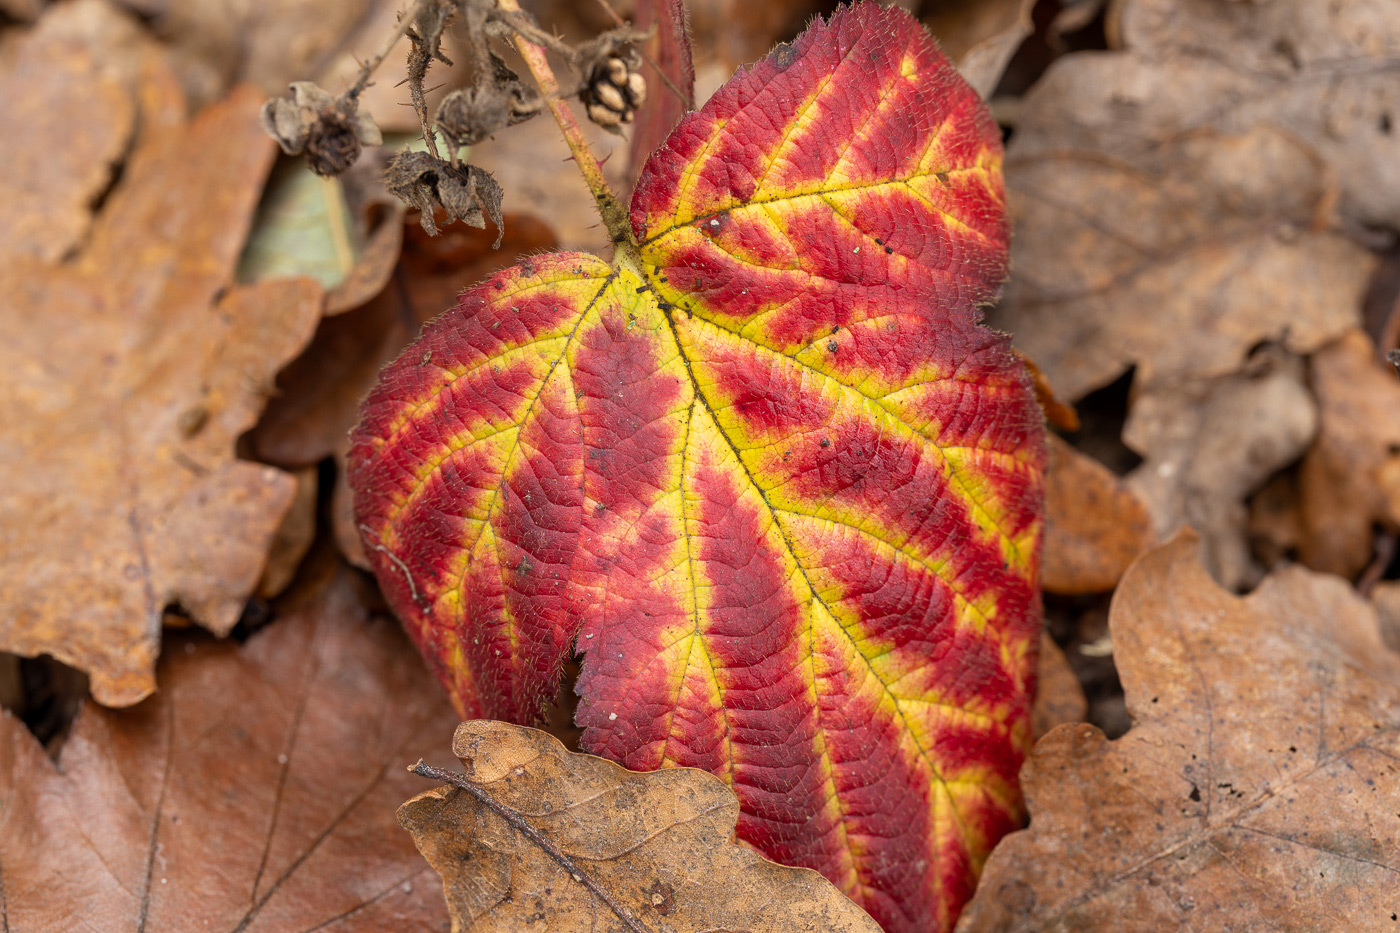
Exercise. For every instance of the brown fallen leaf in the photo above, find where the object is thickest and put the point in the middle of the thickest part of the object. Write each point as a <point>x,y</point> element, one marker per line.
<point>126,378</point>
<point>1094,524</point>
<point>318,394</point>
<point>215,44</point>
<point>1256,789</point>
<point>255,791</point>
<point>535,834</point>
<point>980,36</point>
<point>1059,698</point>
<point>1208,444</point>
<point>1349,480</point>
<point>1174,200</point>
<point>293,537</point>
<point>1276,521</point>
<point>22,10</point>
<point>70,122</point>
<point>1386,598</point>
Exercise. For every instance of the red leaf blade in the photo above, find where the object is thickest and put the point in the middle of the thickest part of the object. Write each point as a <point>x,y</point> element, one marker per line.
<point>768,473</point>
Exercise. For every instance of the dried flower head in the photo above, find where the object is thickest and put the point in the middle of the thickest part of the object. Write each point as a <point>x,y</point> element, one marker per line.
<point>469,115</point>
<point>330,130</point>
<point>462,192</point>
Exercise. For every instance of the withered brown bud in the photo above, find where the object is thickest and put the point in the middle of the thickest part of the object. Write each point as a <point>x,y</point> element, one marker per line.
<point>330,130</point>
<point>469,115</point>
<point>463,192</point>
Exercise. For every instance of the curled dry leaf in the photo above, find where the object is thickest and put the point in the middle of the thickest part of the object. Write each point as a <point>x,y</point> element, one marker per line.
<point>1208,444</point>
<point>1171,199</point>
<point>123,388</point>
<point>1350,479</point>
<point>255,791</point>
<point>535,834</point>
<point>1094,524</point>
<point>1259,779</point>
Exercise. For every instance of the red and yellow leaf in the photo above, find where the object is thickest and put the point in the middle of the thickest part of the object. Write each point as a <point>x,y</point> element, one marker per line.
<point>766,472</point>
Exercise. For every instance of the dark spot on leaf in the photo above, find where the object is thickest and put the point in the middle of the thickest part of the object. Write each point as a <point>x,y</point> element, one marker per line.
<point>826,442</point>
<point>660,896</point>
<point>1195,793</point>
<point>783,56</point>
<point>832,346</point>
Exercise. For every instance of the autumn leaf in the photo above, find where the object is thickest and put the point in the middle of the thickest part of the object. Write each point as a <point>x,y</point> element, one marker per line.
<point>1176,200</point>
<point>1350,478</point>
<point>1256,789</point>
<point>535,834</point>
<point>129,374</point>
<point>1208,444</point>
<point>765,471</point>
<point>1094,524</point>
<point>255,791</point>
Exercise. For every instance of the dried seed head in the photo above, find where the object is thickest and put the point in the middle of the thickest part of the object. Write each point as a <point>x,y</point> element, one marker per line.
<point>330,130</point>
<point>469,115</point>
<point>463,192</point>
<point>607,119</point>
<point>636,89</point>
<point>615,89</point>
<point>609,96</point>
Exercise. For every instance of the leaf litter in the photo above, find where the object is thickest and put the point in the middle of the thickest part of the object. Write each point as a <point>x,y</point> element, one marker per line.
<point>254,791</point>
<point>1258,783</point>
<point>123,394</point>
<point>1236,243</point>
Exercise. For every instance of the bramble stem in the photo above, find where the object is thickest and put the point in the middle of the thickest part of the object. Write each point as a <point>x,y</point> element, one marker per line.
<point>385,47</point>
<point>613,213</point>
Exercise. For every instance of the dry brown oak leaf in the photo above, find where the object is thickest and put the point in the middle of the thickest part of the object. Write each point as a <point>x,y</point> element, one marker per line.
<point>126,377</point>
<point>79,87</point>
<point>255,791</point>
<point>1173,199</point>
<point>1350,478</point>
<point>1094,524</point>
<point>1258,789</point>
<point>573,842</point>
<point>1209,444</point>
